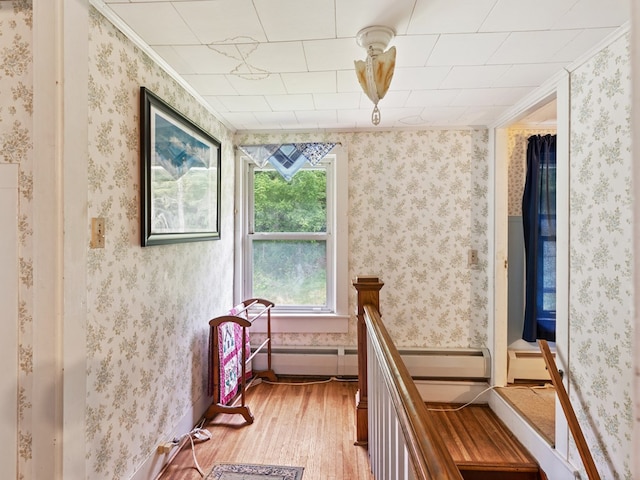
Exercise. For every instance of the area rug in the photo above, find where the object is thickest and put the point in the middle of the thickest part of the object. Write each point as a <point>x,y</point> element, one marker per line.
<point>244,471</point>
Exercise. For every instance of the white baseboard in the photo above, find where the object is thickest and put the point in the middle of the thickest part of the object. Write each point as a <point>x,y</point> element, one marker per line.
<point>550,461</point>
<point>447,391</point>
<point>155,462</point>
<point>453,364</point>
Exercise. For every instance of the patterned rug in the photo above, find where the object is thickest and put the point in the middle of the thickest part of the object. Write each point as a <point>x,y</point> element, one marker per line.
<point>243,471</point>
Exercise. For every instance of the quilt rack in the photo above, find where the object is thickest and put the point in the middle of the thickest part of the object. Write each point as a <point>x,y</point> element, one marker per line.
<point>241,317</point>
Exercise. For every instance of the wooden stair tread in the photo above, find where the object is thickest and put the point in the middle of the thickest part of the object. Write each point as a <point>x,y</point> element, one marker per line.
<point>479,441</point>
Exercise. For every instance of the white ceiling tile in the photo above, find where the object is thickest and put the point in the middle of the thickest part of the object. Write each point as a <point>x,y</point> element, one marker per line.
<point>275,57</point>
<point>354,15</point>
<point>532,47</point>
<point>473,76</point>
<point>310,82</point>
<point>396,115</point>
<point>249,103</point>
<point>595,14</point>
<point>316,116</point>
<point>171,56</point>
<point>466,49</point>
<point>431,115</point>
<point>521,15</point>
<point>425,78</point>
<point>327,101</point>
<point>204,60</point>
<point>362,117</point>
<point>290,102</point>
<point>484,115</point>
<point>392,99</point>
<point>167,27</point>
<point>528,75</point>
<point>348,81</point>
<point>242,120</point>
<point>449,16</point>
<point>276,117</point>
<point>217,105</point>
<point>431,98</point>
<point>353,115</point>
<point>274,64</point>
<point>490,96</point>
<point>257,84</point>
<point>210,84</point>
<point>297,19</point>
<point>221,21</point>
<point>413,50</point>
<point>582,43</point>
<point>338,54</point>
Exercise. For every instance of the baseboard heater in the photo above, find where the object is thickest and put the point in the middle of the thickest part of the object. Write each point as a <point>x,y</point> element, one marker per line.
<point>450,364</point>
<point>525,365</point>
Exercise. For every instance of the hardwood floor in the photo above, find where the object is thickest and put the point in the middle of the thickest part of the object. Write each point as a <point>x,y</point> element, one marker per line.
<point>481,445</point>
<point>313,426</point>
<point>310,426</point>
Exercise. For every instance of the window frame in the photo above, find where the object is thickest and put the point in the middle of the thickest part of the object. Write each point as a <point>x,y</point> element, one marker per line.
<point>288,319</point>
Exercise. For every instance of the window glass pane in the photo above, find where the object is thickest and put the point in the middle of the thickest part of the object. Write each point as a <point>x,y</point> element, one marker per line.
<point>547,288</point>
<point>290,272</point>
<point>296,206</point>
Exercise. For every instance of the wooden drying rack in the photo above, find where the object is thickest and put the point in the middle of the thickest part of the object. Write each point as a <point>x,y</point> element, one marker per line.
<point>242,318</point>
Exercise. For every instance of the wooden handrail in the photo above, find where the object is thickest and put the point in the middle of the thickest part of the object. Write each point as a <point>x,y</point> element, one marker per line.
<point>572,420</point>
<point>429,454</point>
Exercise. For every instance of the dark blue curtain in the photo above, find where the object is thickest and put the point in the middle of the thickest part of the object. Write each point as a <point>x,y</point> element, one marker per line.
<point>539,222</point>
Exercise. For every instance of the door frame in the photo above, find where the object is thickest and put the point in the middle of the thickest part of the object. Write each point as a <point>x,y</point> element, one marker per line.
<point>9,275</point>
<point>557,87</point>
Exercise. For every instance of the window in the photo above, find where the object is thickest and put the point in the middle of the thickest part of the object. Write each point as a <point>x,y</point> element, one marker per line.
<point>546,295</point>
<point>294,242</point>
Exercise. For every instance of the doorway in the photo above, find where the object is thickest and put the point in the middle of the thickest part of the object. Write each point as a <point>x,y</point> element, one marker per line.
<point>548,112</point>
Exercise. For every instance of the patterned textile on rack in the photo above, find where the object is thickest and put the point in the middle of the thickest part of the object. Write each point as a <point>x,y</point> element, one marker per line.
<point>230,358</point>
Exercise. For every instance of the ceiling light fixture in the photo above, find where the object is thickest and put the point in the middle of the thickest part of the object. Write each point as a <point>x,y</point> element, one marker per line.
<point>375,73</point>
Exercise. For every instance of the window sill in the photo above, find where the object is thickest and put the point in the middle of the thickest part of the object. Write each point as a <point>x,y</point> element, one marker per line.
<point>301,323</point>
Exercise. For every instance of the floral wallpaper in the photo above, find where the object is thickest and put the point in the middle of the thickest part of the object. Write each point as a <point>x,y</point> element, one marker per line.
<point>518,138</point>
<point>417,204</point>
<point>148,308</point>
<point>601,255</point>
<point>422,193</point>
<point>16,140</point>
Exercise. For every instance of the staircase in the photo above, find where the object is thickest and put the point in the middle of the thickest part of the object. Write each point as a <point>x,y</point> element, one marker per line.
<point>481,445</point>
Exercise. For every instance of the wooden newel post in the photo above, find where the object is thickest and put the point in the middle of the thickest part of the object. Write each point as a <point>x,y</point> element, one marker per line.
<point>368,288</point>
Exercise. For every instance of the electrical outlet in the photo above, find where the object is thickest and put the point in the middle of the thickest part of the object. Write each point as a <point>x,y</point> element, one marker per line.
<point>97,232</point>
<point>165,448</point>
<point>473,258</point>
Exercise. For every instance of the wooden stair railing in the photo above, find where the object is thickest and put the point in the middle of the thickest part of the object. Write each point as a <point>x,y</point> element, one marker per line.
<point>428,455</point>
<point>572,420</point>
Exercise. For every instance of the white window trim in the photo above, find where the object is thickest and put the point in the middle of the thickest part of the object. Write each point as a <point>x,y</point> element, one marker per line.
<point>320,322</point>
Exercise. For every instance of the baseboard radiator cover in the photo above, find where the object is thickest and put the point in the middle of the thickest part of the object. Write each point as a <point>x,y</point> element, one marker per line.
<point>423,363</point>
<point>526,365</point>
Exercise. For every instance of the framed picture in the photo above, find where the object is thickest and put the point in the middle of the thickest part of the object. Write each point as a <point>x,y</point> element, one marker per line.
<point>179,178</point>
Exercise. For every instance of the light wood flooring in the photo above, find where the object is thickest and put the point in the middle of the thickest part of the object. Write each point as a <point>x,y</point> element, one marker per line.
<point>481,445</point>
<point>313,426</point>
<point>310,426</point>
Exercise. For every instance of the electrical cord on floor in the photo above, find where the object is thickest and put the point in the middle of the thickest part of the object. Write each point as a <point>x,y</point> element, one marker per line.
<point>201,435</point>
<point>466,404</point>
<point>313,382</point>
<point>484,391</point>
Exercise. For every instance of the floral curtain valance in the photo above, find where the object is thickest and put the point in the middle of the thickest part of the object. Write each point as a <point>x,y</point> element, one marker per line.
<point>287,158</point>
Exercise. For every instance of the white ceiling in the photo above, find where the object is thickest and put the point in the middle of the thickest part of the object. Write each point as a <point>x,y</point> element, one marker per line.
<point>288,64</point>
